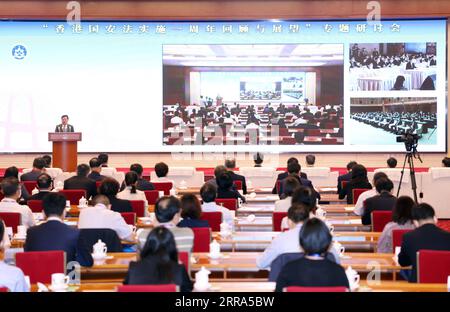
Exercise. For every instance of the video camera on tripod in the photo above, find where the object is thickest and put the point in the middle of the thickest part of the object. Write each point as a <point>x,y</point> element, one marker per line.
<point>411,141</point>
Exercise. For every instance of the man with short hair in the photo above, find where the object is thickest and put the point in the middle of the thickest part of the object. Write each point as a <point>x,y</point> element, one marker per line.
<point>82,182</point>
<point>48,161</point>
<point>44,185</point>
<point>310,160</point>
<point>345,177</point>
<point>100,216</point>
<point>294,171</point>
<point>446,162</point>
<point>218,171</point>
<point>38,168</point>
<point>208,192</point>
<point>359,206</point>
<point>54,234</point>
<point>426,236</point>
<point>95,166</point>
<point>384,201</point>
<point>64,126</point>
<point>11,190</point>
<point>161,171</point>
<point>284,175</point>
<point>142,184</point>
<point>168,214</point>
<point>391,162</point>
<point>230,164</point>
<point>258,159</point>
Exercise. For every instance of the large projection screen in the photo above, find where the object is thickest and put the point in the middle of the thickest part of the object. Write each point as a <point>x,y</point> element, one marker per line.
<point>268,86</point>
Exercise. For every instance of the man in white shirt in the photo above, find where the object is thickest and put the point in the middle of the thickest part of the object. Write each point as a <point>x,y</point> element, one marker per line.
<point>176,119</point>
<point>208,192</point>
<point>359,206</point>
<point>102,217</point>
<point>12,191</point>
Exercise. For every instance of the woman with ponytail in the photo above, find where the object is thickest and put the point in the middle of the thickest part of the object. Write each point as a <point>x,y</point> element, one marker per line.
<point>131,192</point>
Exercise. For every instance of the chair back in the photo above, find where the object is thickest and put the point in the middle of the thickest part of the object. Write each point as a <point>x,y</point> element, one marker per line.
<point>138,207</point>
<point>380,219</point>
<point>183,258</point>
<point>356,193</point>
<point>214,219</point>
<point>433,266</point>
<point>314,289</point>
<point>344,184</point>
<point>129,217</point>
<point>202,239</point>
<point>276,220</point>
<point>329,140</point>
<point>148,288</point>
<point>30,185</point>
<point>230,203</point>
<point>4,289</point>
<point>98,183</point>
<point>152,196</point>
<point>238,184</point>
<point>163,186</point>
<point>35,205</point>
<point>40,265</point>
<point>397,237</point>
<point>91,236</point>
<point>73,196</point>
<point>11,219</point>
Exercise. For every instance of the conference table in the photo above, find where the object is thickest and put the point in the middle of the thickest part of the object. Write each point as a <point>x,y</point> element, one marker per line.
<point>268,209</point>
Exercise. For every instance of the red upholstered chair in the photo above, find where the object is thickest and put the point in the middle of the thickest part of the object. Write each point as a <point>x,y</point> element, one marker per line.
<point>288,141</point>
<point>4,289</point>
<point>356,193</point>
<point>35,205</point>
<point>73,195</point>
<point>202,239</point>
<point>444,224</point>
<point>313,132</point>
<point>152,196</point>
<point>163,186</point>
<point>433,266</point>
<point>314,289</point>
<point>40,265</point>
<point>329,141</point>
<point>230,203</point>
<point>397,237</point>
<point>238,184</point>
<point>214,219</point>
<point>30,185</point>
<point>129,217</point>
<point>138,207</point>
<point>98,183</point>
<point>11,219</point>
<point>183,257</point>
<point>148,288</point>
<point>276,220</point>
<point>380,219</point>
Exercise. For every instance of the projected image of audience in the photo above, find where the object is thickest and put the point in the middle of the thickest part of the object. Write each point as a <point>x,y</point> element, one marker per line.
<point>392,66</point>
<point>382,119</point>
<point>253,94</point>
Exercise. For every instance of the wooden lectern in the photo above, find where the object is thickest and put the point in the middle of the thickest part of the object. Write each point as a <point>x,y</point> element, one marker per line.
<point>65,149</point>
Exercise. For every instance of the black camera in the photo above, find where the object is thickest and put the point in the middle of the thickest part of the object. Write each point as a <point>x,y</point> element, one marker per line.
<point>411,140</point>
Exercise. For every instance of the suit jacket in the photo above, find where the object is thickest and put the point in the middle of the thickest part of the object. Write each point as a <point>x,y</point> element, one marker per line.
<point>142,185</point>
<point>303,182</point>
<point>345,177</point>
<point>81,183</point>
<point>147,271</point>
<point>382,202</point>
<point>95,176</point>
<point>238,177</point>
<point>38,196</point>
<point>59,128</point>
<point>193,223</point>
<point>348,190</point>
<point>427,236</point>
<point>55,235</point>
<point>231,193</point>
<point>283,176</point>
<point>120,205</point>
<point>30,176</point>
<point>432,62</point>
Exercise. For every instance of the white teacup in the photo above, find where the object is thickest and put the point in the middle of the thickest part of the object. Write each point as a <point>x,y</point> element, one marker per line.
<point>251,218</point>
<point>59,281</point>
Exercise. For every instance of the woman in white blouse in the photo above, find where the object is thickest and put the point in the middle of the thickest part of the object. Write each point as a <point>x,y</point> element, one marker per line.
<point>131,192</point>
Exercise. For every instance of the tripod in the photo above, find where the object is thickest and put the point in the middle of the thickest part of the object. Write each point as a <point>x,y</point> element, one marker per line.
<point>409,156</point>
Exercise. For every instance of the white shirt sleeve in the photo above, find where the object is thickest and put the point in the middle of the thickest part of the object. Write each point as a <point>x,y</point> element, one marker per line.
<point>28,217</point>
<point>270,253</point>
<point>123,230</point>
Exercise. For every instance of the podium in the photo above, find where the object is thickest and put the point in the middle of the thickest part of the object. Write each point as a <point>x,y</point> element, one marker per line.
<point>65,149</point>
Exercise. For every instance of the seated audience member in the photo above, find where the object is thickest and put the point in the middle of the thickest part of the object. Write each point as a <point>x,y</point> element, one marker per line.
<point>230,164</point>
<point>100,216</point>
<point>426,236</point>
<point>226,188</point>
<point>191,211</point>
<point>399,83</point>
<point>161,170</point>
<point>167,213</point>
<point>110,187</point>
<point>95,166</point>
<point>208,193</point>
<point>38,168</point>
<point>391,162</point>
<point>103,159</point>
<point>290,185</point>
<point>446,162</point>
<point>11,191</point>
<point>81,182</point>
<point>142,184</point>
<point>158,263</point>
<point>48,161</point>
<point>428,84</point>
<point>345,177</point>
<point>314,269</point>
<point>359,206</point>
<point>284,175</point>
<point>131,192</point>
<point>218,171</point>
<point>11,277</point>
<point>358,180</point>
<point>294,171</point>
<point>53,172</point>
<point>44,185</point>
<point>54,234</point>
<point>14,172</point>
<point>258,159</point>
<point>384,201</point>
<point>401,220</point>
<point>310,160</point>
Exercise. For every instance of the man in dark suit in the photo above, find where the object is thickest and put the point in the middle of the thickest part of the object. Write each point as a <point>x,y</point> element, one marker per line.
<point>64,125</point>
<point>294,171</point>
<point>426,236</point>
<point>110,187</point>
<point>82,182</point>
<point>284,175</point>
<point>95,170</point>
<point>230,164</point>
<point>345,177</point>
<point>55,235</point>
<point>38,168</point>
<point>45,185</point>
<point>142,184</point>
<point>384,201</point>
